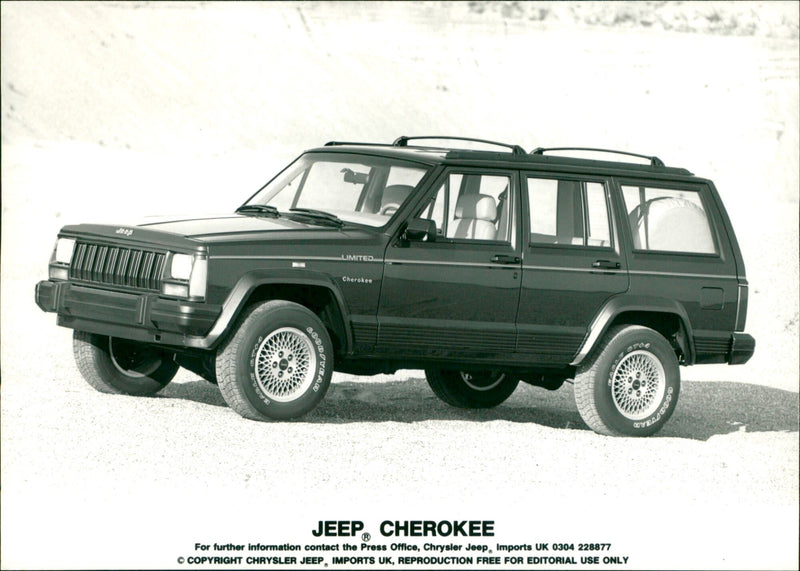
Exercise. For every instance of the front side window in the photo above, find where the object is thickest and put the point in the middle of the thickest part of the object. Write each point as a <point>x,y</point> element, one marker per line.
<point>472,206</point>
<point>354,188</point>
<point>668,220</point>
<point>568,212</point>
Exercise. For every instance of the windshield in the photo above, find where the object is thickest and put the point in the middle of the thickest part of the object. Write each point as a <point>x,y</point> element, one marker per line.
<point>354,188</point>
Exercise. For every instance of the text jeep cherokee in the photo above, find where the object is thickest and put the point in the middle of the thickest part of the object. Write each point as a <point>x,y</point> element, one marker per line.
<point>484,268</point>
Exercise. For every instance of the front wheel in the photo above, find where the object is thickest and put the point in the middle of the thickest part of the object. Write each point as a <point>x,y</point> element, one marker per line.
<point>278,364</point>
<point>119,366</point>
<point>630,386</point>
<point>471,389</point>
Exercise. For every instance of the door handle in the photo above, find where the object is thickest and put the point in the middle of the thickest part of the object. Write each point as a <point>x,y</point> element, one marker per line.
<point>505,259</point>
<point>606,264</point>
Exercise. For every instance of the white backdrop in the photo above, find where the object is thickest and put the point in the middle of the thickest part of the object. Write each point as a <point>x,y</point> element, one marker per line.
<point>113,111</point>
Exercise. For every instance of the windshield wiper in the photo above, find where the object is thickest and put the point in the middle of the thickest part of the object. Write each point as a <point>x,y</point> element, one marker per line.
<point>259,209</point>
<point>318,216</point>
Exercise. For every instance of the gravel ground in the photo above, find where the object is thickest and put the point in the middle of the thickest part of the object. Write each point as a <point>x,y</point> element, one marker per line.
<point>145,478</point>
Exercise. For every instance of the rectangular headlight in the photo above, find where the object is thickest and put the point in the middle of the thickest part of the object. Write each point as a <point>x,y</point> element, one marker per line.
<point>187,276</point>
<point>181,267</point>
<point>64,249</point>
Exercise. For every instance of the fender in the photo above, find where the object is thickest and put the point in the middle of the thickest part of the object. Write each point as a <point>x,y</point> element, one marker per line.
<point>232,307</point>
<point>624,303</point>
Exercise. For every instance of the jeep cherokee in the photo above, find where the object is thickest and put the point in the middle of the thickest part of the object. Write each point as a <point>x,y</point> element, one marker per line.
<point>482,267</point>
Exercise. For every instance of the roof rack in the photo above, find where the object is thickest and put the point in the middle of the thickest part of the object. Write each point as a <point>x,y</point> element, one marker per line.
<point>403,142</point>
<point>654,161</point>
<point>336,143</point>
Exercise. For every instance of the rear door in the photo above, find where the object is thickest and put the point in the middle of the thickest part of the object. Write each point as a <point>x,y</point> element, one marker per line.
<point>572,263</point>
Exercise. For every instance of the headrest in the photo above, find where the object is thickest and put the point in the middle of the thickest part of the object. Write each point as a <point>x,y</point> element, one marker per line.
<point>396,193</point>
<point>476,206</point>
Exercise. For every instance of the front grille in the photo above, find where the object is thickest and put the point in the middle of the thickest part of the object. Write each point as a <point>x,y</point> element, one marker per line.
<point>114,265</point>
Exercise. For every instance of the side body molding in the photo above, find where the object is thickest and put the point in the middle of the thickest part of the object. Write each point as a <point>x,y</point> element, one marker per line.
<point>249,282</point>
<point>633,303</point>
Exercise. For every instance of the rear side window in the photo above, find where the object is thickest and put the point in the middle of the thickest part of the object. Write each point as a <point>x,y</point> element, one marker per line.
<point>668,220</point>
<point>568,212</point>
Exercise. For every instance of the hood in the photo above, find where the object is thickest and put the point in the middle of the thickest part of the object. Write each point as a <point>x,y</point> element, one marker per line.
<point>209,227</point>
<point>194,234</point>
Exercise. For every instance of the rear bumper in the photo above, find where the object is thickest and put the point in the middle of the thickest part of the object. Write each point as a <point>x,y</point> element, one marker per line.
<point>143,317</point>
<point>742,348</point>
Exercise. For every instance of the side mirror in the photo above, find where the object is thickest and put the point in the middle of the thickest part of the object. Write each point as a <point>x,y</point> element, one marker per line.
<point>420,230</point>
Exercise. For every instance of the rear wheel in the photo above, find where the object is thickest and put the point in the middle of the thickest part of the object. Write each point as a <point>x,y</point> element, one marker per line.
<point>471,389</point>
<point>119,366</point>
<point>278,364</point>
<point>630,386</point>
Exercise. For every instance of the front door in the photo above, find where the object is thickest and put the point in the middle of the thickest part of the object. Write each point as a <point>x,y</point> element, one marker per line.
<point>456,296</point>
<point>572,264</point>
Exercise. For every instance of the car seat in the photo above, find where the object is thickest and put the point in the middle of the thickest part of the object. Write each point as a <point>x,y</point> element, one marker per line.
<point>474,216</point>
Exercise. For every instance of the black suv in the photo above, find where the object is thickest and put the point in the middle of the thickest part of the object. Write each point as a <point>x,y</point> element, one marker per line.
<point>483,267</point>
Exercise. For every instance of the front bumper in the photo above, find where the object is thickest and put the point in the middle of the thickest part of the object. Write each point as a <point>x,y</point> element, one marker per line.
<point>145,317</point>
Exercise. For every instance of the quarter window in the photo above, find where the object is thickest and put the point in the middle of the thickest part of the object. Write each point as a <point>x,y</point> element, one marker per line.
<point>668,220</point>
<point>568,212</point>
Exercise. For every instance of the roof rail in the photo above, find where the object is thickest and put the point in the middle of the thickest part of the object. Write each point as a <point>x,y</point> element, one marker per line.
<point>403,142</point>
<point>654,161</point>
<point>336,143</point>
